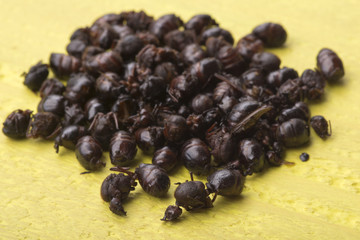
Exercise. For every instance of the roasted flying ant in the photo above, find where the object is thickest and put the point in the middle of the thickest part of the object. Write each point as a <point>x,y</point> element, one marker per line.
<point>166,158</point>
<point>321,126</point>
<point>103,127</point>
<point>122,149</point>
<point>330,65</point>
<point>115,189</point>
<point>196,156</point>
<point>16,124</point>
<point>226,182</point>
<point>64,65</point>
<point>89,152</point>
<point>69,137</point>
<point>272,34</point>
<point>43,124</point>
<point>51,86</point>
<point>36,76</point>
<point>153,179</point>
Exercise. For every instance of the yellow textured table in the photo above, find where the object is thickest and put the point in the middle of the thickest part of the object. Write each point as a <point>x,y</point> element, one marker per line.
<point>43,196</point>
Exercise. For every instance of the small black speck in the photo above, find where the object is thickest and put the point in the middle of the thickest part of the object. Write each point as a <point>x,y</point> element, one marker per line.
<point>304,157</point>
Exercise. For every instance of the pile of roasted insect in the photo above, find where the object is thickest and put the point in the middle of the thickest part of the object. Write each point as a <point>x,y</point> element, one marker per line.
<point>183,94</point>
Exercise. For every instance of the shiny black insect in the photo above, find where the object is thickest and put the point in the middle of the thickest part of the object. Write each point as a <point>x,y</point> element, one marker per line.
<point>89,153</point>
<point>73,115</point>
<point>196,156</point>
<point>103,127</point>
<point>200,22</point>
<point>122,149</point>
<point>166,158</point>
<point>69,136</point>
<point>165,24</point>
<point>153,179</point>
<point>52,103</point>
<point>272,34</point>
<point>128,47</point>
<point>43,124</point>
<point>175,129</point>
<point>79,88</point>
<point>330,65</point>
<point>321,126</point>
<point>115,189</point>
<point>51,86</point>
<point>92,108</point>
<point>190,195</point>
<point>63,65</point>
<point>192,53</point>
<point>216,32</point>
<point>150,139</point>
<point>108,87</point>
<point>266,61</point>
<point>109,61</point>
<point>16,124</point>
<point>226,182</point>
<point>293,133</point>
<point>251,155</point>
<point>36,76</point>
<point>249,45</point>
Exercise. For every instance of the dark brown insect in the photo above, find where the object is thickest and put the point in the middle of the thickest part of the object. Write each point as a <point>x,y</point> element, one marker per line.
<point>153,88</point>
<point>43,124</point>
<point>182,87</point>
<point>124,107</point>
<point>313,84</point>
<point>249,45</point>
<point>266,61</point>
<point>91,51</point>
<point>36,76</point>
<point>76,48</point>
<point>167,71</point>
<point>166,158</point>
<point>164,25</point>
<point>102,35</point>
<point>153,179</point>
<point>175,129</point>
<point>80,88</point>
<point>252,158</point>
<point>321,126</point>
<point>139,21</point>
<point>204,70</point>
<point>103,127</point>
<point>69,136</point>
<point>299,110</point>
<point>192,195</point>
<point>129,46</point>
<point>276,78</point>
<point>81,34</point>
<point>171,213</point>
<point>115,189</point>
<point>226,182</point>
<point>122,31</point>
<point>73,115</point>
<point>293,133</point>
<point>93,107</point>
<point>253,77</point>
<point>196,156</point>
<point>109,61</point>
<point>201,102</point>
<point>192,53</point>
<point>330,65</point>
<point>89,152</point>
<point>291,91</point>
<point>150,139</point>
<point>16,124</point>
<point>232,62</point>
<point>108,87</point>
<point>200,22</point>
<point>178,40</point>
<point>51,86</point>
<point>272,34</point>
<point>148,38</point>
<point>63,65</point>
<point>52,103</point>
<point>122,149</point>
<point>216,32</point>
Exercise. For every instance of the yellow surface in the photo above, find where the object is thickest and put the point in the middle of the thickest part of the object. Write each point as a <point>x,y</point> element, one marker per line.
<point>43,196</point>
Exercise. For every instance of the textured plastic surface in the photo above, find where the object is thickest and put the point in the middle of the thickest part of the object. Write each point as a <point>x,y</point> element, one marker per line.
<point>43,196</point>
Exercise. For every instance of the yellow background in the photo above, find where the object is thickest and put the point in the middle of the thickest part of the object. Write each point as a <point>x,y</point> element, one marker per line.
<point>42,195</point>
